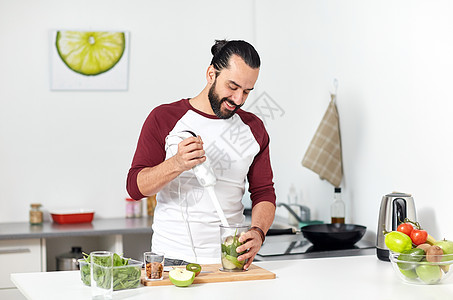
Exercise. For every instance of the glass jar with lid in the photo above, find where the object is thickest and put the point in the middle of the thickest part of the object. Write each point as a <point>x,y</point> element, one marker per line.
<point>133,208</point>
<point>36,216</point>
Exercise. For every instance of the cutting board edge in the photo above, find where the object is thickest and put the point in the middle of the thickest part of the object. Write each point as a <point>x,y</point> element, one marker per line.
<point>266,275</point>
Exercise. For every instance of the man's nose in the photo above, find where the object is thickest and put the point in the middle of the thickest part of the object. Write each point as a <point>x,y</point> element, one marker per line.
<point>238,97</point>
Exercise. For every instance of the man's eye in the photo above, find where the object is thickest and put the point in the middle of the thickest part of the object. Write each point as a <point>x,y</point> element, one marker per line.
<point>233,88</point>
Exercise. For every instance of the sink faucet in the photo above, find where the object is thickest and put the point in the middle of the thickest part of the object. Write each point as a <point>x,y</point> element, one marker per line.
<point>304,212</point>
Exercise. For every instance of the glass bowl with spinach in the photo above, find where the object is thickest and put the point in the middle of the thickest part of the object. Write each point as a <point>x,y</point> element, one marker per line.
<point>229,240</point>
<point>126,272</point>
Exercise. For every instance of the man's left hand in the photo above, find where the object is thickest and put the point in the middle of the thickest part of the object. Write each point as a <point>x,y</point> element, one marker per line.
<point>252,242</point>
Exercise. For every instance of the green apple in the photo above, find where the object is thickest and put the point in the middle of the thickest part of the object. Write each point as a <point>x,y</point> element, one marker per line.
<point>447,247</point>
<point>181,277</point>
<point>411,255</point>
<point>231,263</point>
<point>429,274</point>
<point>411,274</point>
<point>398,241</point>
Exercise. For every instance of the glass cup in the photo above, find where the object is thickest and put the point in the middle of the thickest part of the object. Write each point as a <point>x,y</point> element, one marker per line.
<point>154,265</point>
<point>101,274</point>
<point>229,241</point>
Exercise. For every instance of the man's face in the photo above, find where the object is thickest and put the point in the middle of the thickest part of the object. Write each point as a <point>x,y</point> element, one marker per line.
<point>216,103</point>
<point>231,87</point>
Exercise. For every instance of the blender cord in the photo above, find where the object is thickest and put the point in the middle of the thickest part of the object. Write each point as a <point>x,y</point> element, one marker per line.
<point>186,215</point>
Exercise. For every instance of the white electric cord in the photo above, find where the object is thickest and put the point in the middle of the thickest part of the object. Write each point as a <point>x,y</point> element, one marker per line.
<point>184,216</point>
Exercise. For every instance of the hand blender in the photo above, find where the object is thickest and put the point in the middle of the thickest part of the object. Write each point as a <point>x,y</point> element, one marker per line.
<point>205,176</point>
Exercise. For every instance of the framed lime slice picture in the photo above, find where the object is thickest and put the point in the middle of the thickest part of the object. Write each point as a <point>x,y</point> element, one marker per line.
<point>90,60</point>
<point>90,52</point>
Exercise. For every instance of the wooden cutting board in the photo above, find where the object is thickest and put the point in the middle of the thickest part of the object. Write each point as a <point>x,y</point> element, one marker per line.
<point>253,273</point>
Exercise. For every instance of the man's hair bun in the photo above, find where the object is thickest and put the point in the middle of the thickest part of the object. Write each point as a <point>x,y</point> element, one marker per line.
<point>217,46</point>
<point>222,51</point>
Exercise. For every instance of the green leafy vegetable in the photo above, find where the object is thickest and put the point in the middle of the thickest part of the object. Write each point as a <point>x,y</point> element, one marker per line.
<point>125,276</point>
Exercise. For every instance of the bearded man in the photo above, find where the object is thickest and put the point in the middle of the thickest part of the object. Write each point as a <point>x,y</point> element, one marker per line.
<point>186,223</point>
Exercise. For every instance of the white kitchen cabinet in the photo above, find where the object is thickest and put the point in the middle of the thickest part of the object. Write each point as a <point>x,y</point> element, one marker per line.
<point>16,256</point>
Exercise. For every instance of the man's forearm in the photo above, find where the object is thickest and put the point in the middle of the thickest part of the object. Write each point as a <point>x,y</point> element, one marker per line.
<point>263,215</point>
<point>152,179</point>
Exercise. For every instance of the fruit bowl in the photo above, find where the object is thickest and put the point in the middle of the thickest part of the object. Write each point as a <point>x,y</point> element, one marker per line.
<point>413,268</point>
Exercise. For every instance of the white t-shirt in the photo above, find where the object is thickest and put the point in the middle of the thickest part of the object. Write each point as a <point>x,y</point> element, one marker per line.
<point>186,223</point>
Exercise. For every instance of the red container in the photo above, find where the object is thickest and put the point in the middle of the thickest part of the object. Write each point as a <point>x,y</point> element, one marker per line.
<point>72,216</point>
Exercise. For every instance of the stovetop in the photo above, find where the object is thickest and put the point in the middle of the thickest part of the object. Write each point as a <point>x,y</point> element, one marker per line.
<point>296,246</point>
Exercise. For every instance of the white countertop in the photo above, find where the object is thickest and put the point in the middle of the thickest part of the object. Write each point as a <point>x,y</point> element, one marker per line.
<point>352,277</point>
<point>23,230</point>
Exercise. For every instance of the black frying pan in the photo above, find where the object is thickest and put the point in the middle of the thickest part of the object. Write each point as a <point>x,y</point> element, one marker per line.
<point>333,236</point>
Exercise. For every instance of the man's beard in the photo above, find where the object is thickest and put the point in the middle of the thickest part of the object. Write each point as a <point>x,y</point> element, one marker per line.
<point>216,104</point>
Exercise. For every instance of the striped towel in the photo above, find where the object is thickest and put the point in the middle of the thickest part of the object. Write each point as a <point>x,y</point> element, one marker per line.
<point>323,155</point>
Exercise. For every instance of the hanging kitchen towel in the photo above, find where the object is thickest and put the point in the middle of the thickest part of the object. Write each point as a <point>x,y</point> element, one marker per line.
<point>323,155</point>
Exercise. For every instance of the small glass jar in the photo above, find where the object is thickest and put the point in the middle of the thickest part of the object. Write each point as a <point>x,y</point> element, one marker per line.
<point>35,214</point>
<point>133,208</point>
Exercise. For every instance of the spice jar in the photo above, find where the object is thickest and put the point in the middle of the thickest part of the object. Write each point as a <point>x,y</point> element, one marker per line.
<point>35,214</point>
<point>133,208</point>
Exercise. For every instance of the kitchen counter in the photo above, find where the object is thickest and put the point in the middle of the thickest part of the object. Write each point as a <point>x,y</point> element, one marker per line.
<point>10,231</point>
<point>352,277</point>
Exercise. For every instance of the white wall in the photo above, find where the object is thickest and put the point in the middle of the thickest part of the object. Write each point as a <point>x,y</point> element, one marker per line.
<point>75,148</point>
<point>392,60</point>
<point>393,63</point>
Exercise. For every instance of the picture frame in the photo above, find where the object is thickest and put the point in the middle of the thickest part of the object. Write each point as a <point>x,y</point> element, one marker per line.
<point>77,62</point>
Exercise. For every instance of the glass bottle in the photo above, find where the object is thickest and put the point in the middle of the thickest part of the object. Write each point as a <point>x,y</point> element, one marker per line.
<point>292,201</point>
<point>337,209</point>
<point>35,214</point>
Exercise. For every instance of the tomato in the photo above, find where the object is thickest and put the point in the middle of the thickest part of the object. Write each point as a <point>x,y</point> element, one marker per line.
<point>398,241</point>
<point>419,236</point>
<point>405,228</point>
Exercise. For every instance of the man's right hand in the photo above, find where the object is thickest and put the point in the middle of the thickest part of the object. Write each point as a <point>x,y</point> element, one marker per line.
<point>190,153</point>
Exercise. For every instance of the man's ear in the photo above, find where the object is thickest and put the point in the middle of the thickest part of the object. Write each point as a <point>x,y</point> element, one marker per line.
<point>211,74</point>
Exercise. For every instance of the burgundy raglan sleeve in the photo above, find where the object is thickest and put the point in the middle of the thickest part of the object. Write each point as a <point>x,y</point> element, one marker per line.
<point>260,176</point>
<point>149,153</point>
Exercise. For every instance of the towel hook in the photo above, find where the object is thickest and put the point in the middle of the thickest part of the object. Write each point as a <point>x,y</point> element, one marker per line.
<point>335,85</point>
